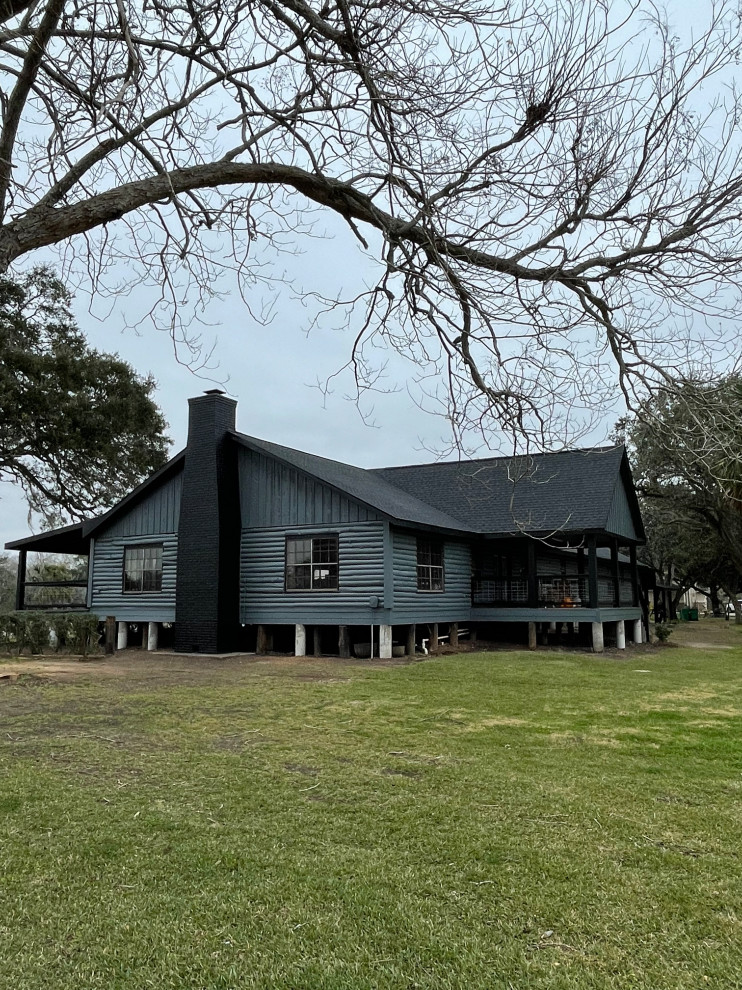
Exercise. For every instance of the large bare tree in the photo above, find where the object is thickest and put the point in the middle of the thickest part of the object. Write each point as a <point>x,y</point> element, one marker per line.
<point>551,190</point>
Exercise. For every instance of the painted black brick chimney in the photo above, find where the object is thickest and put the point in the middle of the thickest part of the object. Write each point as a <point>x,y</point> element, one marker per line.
<point>207,590</point>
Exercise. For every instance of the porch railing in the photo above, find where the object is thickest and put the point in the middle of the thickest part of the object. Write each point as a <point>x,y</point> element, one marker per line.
<point>54,595</point>
<point>553,591</point>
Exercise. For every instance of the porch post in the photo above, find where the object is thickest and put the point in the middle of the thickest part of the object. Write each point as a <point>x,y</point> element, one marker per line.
<point>592,572</point>
<point>634,576</point>
<point>532,575</point>
<point>20,590</point>
<point>615,574</point>
<point>581,574</point>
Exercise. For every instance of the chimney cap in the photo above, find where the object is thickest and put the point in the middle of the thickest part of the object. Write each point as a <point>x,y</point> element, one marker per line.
<point>214,391</point>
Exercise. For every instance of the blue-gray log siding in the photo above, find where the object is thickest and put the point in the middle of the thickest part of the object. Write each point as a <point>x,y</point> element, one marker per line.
<point>410,605</point>
<point>274,494</point>
<point>153,520</point>
<point>108,597</point>
<point>157,513</point>
<point>361,575</point>
<point>620,520</point>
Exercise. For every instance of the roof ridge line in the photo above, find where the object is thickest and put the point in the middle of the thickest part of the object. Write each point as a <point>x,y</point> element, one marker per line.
<point>502,457</point>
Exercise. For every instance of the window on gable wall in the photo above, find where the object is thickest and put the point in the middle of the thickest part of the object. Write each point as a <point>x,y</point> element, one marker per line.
<point>143,568</point>
<point>429,565</point>
<point>312,563</point>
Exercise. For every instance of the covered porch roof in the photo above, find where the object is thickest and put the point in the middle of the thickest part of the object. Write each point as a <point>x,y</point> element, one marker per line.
<point>65,539</point>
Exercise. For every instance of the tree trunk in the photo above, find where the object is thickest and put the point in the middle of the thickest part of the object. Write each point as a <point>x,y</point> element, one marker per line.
<point>734,600</point>
<point>673,603</point>
<point>715,603</point>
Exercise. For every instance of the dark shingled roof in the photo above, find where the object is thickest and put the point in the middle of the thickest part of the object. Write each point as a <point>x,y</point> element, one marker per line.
<point>364,486</point>
<point>568,491</point>
<point>571,490</point>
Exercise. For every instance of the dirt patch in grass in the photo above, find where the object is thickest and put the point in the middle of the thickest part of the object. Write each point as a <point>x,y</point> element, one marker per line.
<point>158,669</point>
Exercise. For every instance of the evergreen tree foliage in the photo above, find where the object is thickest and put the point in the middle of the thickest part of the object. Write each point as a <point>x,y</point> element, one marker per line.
<point>80,428</point>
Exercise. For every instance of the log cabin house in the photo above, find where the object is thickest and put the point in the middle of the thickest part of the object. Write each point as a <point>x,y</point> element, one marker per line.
<point>238,543</point>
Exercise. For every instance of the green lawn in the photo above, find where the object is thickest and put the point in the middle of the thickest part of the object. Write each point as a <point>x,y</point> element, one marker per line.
<point>502,820</point>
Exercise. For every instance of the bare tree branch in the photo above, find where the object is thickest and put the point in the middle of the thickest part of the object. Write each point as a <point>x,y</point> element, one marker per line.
<point>552,200</point>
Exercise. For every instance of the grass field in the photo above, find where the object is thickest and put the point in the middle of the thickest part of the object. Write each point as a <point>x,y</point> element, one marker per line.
<point>490,820</point>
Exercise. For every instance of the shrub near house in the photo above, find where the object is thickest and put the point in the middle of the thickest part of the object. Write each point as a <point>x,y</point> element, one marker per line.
<point>40,632</point>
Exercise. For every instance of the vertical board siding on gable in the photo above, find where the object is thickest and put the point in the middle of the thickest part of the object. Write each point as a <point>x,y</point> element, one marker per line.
<point>274,494</point>
<point>620,520</point>
<point>361,575</point>
<point>108,597</point>
<point>157,513</point>
<point>153,520</point>
<point>411,605</point>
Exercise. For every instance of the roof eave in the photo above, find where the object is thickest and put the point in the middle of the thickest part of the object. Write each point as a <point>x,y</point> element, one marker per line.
<point>64,539</point>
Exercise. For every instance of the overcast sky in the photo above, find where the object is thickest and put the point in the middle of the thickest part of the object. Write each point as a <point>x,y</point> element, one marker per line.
<point>271,371</point>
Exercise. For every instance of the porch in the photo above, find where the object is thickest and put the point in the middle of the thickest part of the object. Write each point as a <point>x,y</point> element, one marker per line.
<point>48,593</point>
<point>550,587</point>
<point>528,574</point>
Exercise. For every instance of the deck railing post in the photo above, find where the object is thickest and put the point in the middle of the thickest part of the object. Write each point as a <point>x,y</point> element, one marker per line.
<point>615,574</point>
<point>634,576</point>
<point>532,575</point>
<point>592,572</point>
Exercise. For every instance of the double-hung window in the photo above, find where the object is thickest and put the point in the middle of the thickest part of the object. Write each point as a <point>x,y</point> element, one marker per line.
<point>312,563</point>
<point>429,565</point>
<point>143,568</point>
